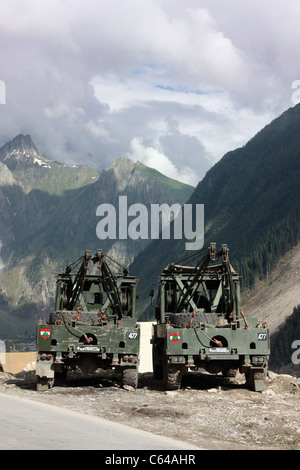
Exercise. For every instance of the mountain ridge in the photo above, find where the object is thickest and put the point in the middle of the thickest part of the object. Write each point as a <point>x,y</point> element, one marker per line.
<point>33,171</point>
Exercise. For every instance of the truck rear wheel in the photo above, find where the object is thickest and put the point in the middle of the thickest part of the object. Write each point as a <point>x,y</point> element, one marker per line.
<point>44,383</point>
<point>229,372</point>
<point>157,362</point>
<point>129,377</point>
<point>172,377</point>
<point>255,380</point>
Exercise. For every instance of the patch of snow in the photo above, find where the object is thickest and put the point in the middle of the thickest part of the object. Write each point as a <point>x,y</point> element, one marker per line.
<point>41,163</point>
<point>10,154</point>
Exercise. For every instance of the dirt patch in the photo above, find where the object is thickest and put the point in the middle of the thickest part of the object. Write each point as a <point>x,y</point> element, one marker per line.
<point>208,411</point>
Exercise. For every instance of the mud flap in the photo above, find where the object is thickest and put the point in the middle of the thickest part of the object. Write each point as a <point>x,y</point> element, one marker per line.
<point>259,385</point>
<point>44,369</point>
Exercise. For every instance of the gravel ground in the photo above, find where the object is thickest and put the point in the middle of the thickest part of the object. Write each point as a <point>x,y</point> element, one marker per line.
<point>208,411</point>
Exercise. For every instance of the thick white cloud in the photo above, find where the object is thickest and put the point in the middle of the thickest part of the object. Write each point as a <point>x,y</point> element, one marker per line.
<point>154,158</point>
<point>170,83</point>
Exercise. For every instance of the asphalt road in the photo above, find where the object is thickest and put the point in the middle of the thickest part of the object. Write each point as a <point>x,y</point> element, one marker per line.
<point>31,425</point>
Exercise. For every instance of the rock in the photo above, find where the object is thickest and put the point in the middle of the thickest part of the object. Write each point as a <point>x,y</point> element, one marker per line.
<point>272,375</point>
<point>287,376</point>
<point>269,392</point>
<point>29,367</point>
<point>128,387</point>
<point>6,376</point>
<point>170,393</point>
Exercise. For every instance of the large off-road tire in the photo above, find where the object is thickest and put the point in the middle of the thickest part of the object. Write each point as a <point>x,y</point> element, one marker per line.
<point>172,376</point>
<point>229,372</point>
<point>129,377</point>
<point>61,376</point>
<point>255,379</point>
<point>157,361</point>
<point>186,320</point>
<point>43,383</point>
<point>67,317</point>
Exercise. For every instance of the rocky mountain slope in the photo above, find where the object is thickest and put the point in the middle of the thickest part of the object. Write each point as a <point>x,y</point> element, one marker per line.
<point>30,170</point>
<point>274,298</point>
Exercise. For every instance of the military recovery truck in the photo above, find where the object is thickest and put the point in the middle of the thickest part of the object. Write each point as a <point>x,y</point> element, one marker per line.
<point>200,324</point>
<point>93,324</point>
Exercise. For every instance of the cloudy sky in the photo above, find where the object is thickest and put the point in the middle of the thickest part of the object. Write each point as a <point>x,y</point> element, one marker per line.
<point>172,83</point>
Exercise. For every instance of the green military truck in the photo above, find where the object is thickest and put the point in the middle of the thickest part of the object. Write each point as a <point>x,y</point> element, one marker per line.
<point>93,324</point>
<point>200,324</point>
